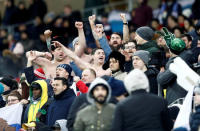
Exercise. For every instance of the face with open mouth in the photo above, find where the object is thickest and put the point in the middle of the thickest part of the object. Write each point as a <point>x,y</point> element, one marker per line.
<point>99,56</point>
<point>61,72</point>
<point>115,40</point>
<point>59,54</point>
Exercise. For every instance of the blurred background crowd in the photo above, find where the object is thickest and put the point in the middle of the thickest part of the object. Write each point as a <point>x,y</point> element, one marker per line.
<point>23,23</point>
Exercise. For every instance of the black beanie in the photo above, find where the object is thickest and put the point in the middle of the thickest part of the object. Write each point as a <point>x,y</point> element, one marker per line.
<point>9,82</point>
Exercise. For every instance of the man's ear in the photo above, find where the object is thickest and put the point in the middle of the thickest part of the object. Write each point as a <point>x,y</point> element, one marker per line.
<point>65,86</point>
<point>109,42</point>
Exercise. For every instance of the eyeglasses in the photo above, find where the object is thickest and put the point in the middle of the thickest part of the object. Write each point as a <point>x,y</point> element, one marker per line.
<point>129,47</point>
<point>12,100</point>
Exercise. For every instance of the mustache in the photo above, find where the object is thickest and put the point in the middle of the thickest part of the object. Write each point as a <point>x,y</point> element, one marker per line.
<point>100,96</point>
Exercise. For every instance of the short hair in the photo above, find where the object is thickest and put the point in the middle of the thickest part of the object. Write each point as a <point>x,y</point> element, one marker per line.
<point>92,71</point>
<point>64,80</point>
<point>68,6</point>
<point>189,37</point>
<point>95,49</point>
<point>14,93</point>
<point>117,33</point>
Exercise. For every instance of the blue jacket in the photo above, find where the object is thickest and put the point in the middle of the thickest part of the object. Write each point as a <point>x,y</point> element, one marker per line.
<point>195,36</point>
<point>105,46</point>
<point>60,106</point>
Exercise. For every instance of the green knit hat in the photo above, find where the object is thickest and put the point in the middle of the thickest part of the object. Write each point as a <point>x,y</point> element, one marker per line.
<point>175,45</point>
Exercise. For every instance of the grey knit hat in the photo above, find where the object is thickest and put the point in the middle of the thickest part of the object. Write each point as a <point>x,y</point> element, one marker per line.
<point>75,41</point>
<point>145,33</point>
<point>144,55</point>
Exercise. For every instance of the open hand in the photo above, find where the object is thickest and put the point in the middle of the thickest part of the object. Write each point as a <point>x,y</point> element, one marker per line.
<point>32,55</point>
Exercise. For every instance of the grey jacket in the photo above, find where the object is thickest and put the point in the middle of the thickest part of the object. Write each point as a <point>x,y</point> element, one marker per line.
<point>91,118</point>
<point>167,80</point>
<point>119,75</point>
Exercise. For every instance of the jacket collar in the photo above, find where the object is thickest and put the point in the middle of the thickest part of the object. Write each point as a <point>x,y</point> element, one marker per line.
<point>141,91</point>
<point>65,94</point>
<point>117,73</point>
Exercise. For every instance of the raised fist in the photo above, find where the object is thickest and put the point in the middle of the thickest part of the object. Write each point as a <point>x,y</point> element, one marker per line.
<point>123,17</point>
<point>92,19</point>
<point>47,33</point>
<point>79,25</point>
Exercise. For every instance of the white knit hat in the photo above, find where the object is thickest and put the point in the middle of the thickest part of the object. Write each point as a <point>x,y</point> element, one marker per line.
<point>136,80</point>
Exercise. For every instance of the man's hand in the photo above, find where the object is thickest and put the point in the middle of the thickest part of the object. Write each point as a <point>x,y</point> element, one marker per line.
<point>47,33</point>
<point>57,44</point>
<point>126,54</point>
<point>76,79</point>
<point>48,55</point>
<point>79,25</point>
<point>32,56</point>
<point>24,101</point>
<point>92,19</point>
<point>197,99</point>
<point>123,17</point>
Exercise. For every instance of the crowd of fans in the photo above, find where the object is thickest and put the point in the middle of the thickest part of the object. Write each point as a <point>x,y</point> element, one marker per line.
<point>105,72</point>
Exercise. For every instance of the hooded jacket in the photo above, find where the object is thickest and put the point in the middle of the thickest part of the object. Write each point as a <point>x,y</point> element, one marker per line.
<point>91,118</point>
<point>34,107</point>
<point>98,81</point>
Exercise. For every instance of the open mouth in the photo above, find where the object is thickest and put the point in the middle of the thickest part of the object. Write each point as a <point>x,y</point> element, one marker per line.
<point>115,43</point>
<point>57,75</point>
<point>61,55</point>
<point>101,58</point>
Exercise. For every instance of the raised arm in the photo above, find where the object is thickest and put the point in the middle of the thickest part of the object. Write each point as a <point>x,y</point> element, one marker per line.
<point>29,71</point>
<point>40,58</point>
<point>125,28</point>
<point>47,34</point>
<point>82,42</point>
<point>103,40</point>
<point>80,63</point>
<point>93,28</point>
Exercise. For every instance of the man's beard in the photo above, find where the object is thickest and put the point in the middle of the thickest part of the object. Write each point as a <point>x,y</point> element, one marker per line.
<point>115,48</point>
<point>100,101</point>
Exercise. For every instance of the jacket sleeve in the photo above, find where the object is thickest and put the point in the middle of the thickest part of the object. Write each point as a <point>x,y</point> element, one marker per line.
<point>118,120</point>
<point>76,69</point>
<point>82,87</point>
<point>105,46</point>
<point>79,124</point>
<point>2,102</point>
<point>79,100</point>
<point>165,117</point>
<point>30,74</point>
<point>165,78</point>
<point>195,119</point>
